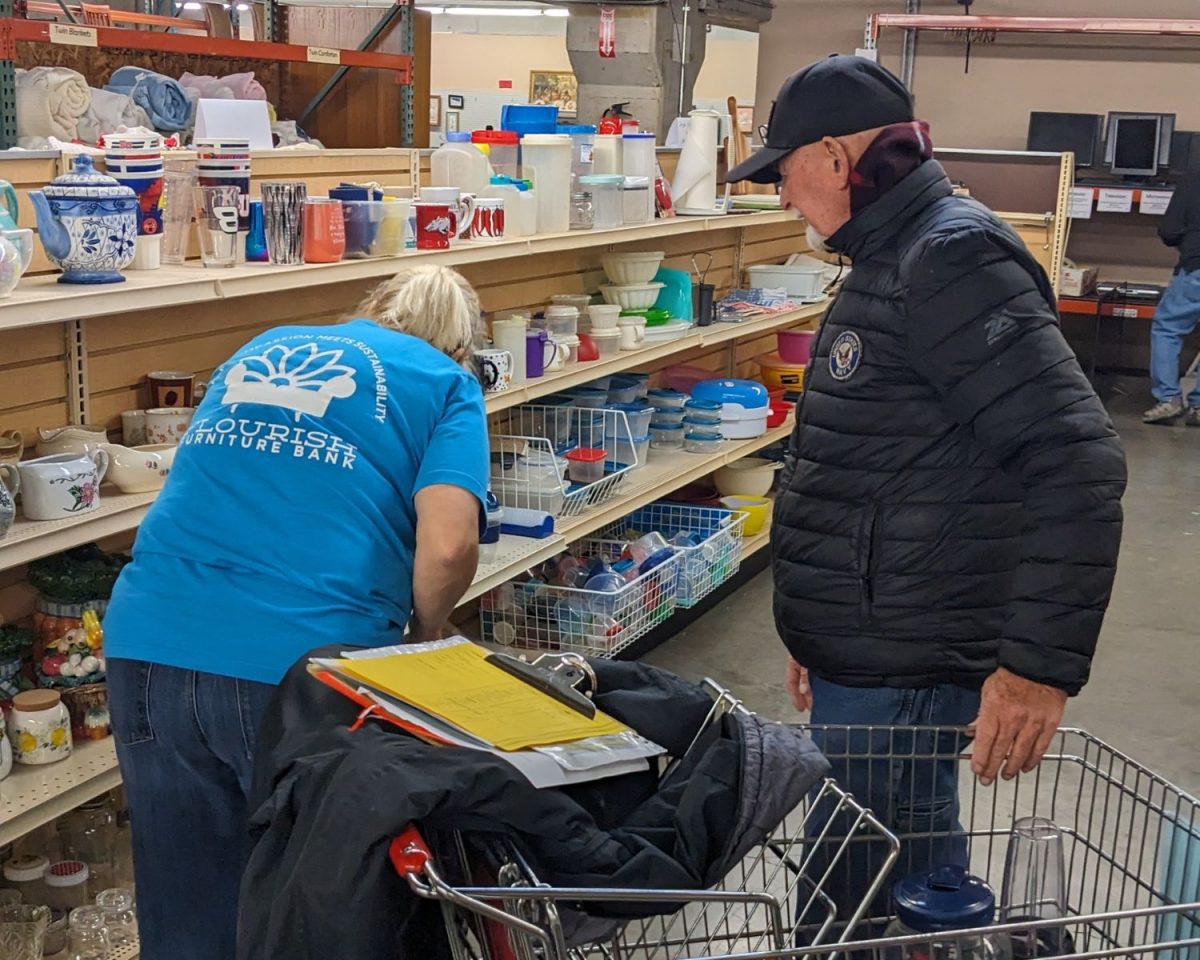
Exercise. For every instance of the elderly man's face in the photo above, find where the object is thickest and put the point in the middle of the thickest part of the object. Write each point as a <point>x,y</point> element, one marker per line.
<point>816,184</point>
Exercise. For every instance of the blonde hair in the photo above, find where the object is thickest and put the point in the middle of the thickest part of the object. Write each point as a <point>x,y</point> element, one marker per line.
<point>435,304</point>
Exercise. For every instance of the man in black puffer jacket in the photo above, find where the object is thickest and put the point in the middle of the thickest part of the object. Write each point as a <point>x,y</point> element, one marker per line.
<point>949,518</point>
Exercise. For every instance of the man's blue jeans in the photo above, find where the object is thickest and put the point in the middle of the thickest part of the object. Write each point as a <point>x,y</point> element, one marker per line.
<point>1176,317</point>
<point>185,741</point>
<point>907,777</point>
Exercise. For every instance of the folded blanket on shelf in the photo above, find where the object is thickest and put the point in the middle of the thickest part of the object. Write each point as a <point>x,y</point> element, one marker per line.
<point>163,99</point>
<point>50,101</point>
<point>235,86</point>
<point>108,113</point>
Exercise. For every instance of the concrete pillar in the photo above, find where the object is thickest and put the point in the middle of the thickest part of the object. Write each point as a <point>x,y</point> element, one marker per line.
<point>646,70</point>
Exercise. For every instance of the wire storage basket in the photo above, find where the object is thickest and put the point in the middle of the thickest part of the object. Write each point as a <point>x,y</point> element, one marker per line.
<point>1130,856</point>
<point>529,460</point>
<point>537,614</point>
<point>709,540</point>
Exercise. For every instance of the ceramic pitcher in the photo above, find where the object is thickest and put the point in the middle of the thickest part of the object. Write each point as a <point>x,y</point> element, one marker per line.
<point>12,445</point>
<point>62,485</point>
<point>78,438</point>
<point>88,223</point>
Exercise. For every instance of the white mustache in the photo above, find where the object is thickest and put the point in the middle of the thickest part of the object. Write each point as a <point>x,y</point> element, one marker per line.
<point>816,239</point>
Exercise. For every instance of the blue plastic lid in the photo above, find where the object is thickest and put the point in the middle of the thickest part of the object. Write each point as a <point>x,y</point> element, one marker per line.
<point>747,393</point>
<point>705,435</point>
<point>606,582</point>
<point>458,137</point>
<point>622,565</point>
<point>630,407</point>
<point>663,392</point>
<point>638,136</point>
<point>500,180</point>
<point>656,559</point>
<point>667,427</point>
<point>708,406</point>
<point>701,422</point>
<point>945,898</point>
<point>576,128</point>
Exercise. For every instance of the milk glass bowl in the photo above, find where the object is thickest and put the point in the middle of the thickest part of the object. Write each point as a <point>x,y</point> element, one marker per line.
<point>16,251</point>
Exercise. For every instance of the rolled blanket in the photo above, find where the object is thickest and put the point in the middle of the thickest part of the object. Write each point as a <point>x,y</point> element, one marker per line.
<point>50,101</point>
<point>235,86</point>
<point>163,99</point>
<point>108,113</point>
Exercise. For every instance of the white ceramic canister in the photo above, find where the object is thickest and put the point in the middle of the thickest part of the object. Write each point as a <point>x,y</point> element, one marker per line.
<point>39,727</point>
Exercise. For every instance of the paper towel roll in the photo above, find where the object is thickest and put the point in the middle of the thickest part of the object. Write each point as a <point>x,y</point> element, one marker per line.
<point>694,189</point>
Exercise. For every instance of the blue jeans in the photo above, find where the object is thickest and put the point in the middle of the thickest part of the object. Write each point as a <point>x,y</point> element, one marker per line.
<point>908,778</point>
<point>1177,315</point>
<point>185,742</point>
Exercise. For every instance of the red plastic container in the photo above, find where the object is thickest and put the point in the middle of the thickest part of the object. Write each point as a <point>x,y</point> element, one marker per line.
<point>586,465</point>
<point>779,412</point>
<point>795,346</point>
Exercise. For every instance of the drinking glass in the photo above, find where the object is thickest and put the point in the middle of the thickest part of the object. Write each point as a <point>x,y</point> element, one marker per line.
<point>23,931</point>
<point>88,932</point>
<point>1035,887</point>
<point>177,214</point>
<point>283,220</point>
<point>217,225</point>
<point>119,916</point>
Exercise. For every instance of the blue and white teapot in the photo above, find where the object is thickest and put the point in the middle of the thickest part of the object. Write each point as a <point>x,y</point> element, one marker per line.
<point>87,223</point>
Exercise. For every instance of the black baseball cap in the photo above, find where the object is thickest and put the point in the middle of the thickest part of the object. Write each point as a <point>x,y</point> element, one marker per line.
<point>833,97</point>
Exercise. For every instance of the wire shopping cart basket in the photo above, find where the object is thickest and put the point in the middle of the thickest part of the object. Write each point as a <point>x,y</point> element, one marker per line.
<point>818,887</point>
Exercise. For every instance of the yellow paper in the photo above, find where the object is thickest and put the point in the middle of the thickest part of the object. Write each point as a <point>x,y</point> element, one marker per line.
<point>456,683</point>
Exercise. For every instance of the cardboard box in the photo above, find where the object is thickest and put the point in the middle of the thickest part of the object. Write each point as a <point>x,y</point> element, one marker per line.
<point>1077,281</point>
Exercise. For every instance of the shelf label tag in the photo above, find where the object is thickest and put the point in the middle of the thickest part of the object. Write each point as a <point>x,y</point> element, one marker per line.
<point>324,55</point>
<point>1154,202</point>
<point>73,35</point>
<point>1127,313</point>
<point>1079,203</point>
<point>1115,201</point>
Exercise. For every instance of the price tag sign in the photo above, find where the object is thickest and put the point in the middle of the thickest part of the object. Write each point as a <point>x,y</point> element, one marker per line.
<point>1115,201</point>
<point>1079,203</point>
<point>324,55</point>
<point>1154,202</point>
<point>73,35</point>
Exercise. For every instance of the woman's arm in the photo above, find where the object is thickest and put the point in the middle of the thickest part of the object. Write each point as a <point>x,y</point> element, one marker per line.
<point>446,557</point>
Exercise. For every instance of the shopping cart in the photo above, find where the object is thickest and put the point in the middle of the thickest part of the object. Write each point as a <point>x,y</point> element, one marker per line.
<point>1131,851</point>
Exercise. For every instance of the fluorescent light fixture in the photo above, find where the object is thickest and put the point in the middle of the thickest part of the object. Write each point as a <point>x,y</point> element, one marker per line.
<point>192,5</point>
<point>493,12</point>
<point>242,6</point>
<point>556,12</point>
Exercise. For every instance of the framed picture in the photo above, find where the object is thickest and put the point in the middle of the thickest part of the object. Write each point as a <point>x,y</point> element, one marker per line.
<point>435,110</point>
<point>455,101</point>
<point>557,88</point>
<point>745,118</point>
<point>452,121</point>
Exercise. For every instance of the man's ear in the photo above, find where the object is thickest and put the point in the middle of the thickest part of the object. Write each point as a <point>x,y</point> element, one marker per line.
<point>839,156</point>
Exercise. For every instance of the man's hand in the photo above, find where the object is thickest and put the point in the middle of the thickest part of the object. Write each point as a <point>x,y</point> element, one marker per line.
<point>797,686</point>
<point>1017,720</point>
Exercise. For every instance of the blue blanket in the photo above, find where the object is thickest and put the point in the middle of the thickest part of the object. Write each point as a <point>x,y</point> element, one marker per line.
<point>161,97</point>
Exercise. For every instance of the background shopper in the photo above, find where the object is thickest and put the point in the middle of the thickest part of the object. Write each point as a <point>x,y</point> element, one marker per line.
<point>329,490</point>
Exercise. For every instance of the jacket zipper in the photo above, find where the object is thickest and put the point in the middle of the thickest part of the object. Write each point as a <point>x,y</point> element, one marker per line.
<point>868,558</point>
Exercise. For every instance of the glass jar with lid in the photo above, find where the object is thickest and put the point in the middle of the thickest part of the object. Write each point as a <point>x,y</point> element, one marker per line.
<point>89,834</point>
<point>119,916</point>
<point>583,213</point>
<point>950,908</point>
<point>66,885</point>
<point>88,934</point>
<point>26,874</point>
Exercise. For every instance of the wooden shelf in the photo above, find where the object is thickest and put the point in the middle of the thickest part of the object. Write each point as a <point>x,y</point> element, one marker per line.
<point>32,796</point>
<point>42,299</point>
<point>751,545</point>
<point>31,539</point>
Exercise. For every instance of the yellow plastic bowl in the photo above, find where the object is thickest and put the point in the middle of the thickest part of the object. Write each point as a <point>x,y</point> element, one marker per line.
<point>778,373</point>
<point>757,510</point>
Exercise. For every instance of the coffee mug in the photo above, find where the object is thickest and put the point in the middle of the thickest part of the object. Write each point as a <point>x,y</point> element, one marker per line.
<point>487,223</point>
<point>629,339</point>
<point>324,230</point>
<point>462,207</point>
<point>435,225</point>
<point>62,485</point>
<point>495,369</point>
<point>174,388</point>
<point>168,424</point>
<point>542,354</point>
<point>133,427</point>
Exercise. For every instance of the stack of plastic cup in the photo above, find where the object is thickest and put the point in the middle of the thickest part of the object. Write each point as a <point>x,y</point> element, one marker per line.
<point>136,162</point>
<point>224,162</point>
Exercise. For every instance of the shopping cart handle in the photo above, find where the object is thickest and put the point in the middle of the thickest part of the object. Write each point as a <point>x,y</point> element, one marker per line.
<point>409,854</point>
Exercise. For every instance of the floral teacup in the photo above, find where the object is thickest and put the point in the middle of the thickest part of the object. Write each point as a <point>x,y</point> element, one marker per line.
<point>62,485</point>
<point>168,424</point>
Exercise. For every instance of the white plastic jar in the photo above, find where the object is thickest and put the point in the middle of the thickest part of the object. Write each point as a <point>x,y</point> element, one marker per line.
<point>546,160</point>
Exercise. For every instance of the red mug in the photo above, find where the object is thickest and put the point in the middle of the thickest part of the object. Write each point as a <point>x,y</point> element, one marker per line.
<point>436,224</point>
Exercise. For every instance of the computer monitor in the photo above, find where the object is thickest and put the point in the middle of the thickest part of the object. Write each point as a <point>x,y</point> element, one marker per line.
<point>1185,152</point>
<point>1133,131</point>
<point>1077,133</point>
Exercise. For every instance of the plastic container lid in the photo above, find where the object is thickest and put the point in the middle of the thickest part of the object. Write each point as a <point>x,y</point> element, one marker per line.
<point>26,869</point>
<point>605,334</point>
<point>637,183</point>
<point>704,422</point>
<point>665,394</point>
<point>667,427</point>
<point>561,311</point>
<point>502,137</point>
<point>748,393</point>
<point>546,139</point>
<point>703,435</point>
<point>638,136</point>
<point>602,179</point>
<point>635,408</point>
<point>707,406</point>
<point>576,128</point>
<point>945,898</point>
<point>586,455</point>
<point>66,873</point>
<point>456,137</point>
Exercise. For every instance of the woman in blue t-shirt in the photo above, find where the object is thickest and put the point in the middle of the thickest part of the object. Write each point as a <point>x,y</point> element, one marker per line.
<point>329,490</point>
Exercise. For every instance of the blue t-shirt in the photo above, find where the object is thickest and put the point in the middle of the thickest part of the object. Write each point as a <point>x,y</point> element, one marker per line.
<point>288,520</point>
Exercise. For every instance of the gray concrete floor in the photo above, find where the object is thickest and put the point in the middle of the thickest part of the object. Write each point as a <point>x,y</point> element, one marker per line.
<point>1144,695</point>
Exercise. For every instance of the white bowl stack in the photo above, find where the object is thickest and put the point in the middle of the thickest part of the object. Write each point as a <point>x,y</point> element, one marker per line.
<point>631,276</point>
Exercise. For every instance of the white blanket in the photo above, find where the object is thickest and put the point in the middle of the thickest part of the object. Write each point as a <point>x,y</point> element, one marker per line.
<point>50,101</point>
<point>109,113</point>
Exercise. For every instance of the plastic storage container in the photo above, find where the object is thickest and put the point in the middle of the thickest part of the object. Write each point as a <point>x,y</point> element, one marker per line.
<point>745,405</point>
<point>562,319</point>
<point>667,418</point>
<point>637,414</point>
<point>666,436</point>
<point>604,316</point>
<point>502,148</point>
<point>662,399</point>
<point>586,465</point>
<point>624,390</point>
<point>606,199</point>
<point>776,373</point>
<point>608,155</point>
<point>635,201</point>
<point>583,140</point>
<point>704,424</point>
<point>459,163</point>
<point>523,118</point>
<point>520,208</point>
<point>608,342</point>
<point>802,280</point>
<point>589,397</point>
<point>703,411</point>
<point>546,160</point>
<point>632,453</point>
<point>639,161</point>
<point>698,441</point>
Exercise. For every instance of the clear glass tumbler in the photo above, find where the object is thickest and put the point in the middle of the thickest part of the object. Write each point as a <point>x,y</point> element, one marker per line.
<point>119,916</point>
<point>23,930</point>
<point>217,225</point>
<point>88,935</point>
<point>178,207</point>
<point>1035,887</point>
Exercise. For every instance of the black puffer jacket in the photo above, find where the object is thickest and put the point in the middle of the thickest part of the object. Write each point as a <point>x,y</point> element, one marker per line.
<point>952,499</point>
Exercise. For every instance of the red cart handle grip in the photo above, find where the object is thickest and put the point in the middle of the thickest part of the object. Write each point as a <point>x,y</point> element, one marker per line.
<point>409,854</point>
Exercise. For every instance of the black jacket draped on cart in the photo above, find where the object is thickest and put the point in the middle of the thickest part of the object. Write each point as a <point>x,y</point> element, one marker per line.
<point>327,802</point>
<point>952,496</point>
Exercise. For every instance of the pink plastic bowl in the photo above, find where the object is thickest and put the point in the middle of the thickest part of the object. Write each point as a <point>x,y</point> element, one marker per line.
<point>795,346</point>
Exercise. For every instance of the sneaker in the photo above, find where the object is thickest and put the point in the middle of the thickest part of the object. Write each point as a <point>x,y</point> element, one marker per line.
<point>1193,417</point>
<point>1168,411</point>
